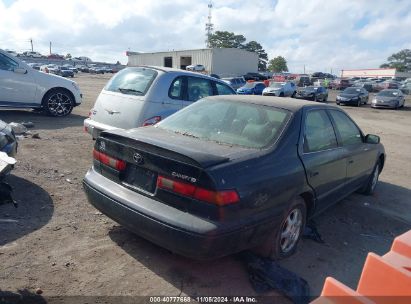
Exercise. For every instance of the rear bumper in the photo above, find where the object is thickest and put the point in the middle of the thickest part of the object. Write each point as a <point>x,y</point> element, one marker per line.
<point>178,231</point>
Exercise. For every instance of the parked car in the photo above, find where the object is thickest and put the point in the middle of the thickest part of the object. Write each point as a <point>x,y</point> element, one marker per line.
<point>71,67</point>
<point>32,54</point>
<point>252,88</point>
<point>406,88</point>
<point>312,93</point>
<point>240,172</point>
<point>254,76</point>
<point>340,84</point>
<point>83,68</point>
<point>24,87</point>
<point>302,80</point>
<point>352,96</point>
<point>389,98</point>
<point>234,82</point>
<point>55,56</point>
<point>35,66</point>
<point>96,70</point>
<point>8,141</point>
<point>49,68</point>
<point>141,96</point>
<point>281,89</point>
<point>196,68</point>
<point>65,72</point>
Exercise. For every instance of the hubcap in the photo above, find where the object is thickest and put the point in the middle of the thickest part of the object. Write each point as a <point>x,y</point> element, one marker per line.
<point>375,177</point>
<point>290,230</point>
<point>59,104</point>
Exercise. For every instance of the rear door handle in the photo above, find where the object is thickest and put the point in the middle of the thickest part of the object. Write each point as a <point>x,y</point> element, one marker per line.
<point>312,174</point>
<point>350,161</point>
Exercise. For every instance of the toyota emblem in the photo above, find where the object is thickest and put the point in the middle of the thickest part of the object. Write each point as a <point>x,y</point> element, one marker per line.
<point>138,158</point>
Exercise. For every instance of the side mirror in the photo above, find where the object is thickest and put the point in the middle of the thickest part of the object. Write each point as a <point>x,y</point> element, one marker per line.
<point>20,71</point>
<point>372,139</point>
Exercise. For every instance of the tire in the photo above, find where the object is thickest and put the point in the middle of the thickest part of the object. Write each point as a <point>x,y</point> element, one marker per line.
<point>359,103</point>
<point>278,245</point>
<point>58,103</point>
<point>337,103</point>
<point>369,188</point>
<point>293,95</point>
<point>281,95</point>
<point>315,98</point>
<point>325,99</point>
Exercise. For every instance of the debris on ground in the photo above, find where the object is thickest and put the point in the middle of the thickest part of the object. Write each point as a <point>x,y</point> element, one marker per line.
<point>28,124</point>
<point>18,128</point>
<point>266,275</point>
<point>36,136</point>
<point>311,232</point>
<point>6,165</point>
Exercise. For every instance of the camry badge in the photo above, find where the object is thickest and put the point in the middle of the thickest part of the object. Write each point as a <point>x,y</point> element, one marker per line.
<point>138,158</point>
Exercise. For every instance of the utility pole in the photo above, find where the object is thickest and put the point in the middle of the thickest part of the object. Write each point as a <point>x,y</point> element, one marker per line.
<point>50,47</point>
<point>304,69</point>
<point>31,42</point>
<point>209,25</point>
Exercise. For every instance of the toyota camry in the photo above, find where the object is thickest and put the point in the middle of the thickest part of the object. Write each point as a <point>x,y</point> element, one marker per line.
<point>230,173</point>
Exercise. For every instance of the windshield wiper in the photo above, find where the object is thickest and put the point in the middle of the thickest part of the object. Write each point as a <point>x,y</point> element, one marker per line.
<point>124,90</point>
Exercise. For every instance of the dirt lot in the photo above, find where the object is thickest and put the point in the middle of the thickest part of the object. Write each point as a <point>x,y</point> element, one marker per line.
<point>57,242</point>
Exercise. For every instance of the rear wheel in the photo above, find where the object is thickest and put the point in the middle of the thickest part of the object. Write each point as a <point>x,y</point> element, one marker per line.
<point>293,95</point>
<point>58,103</point>
<point>325,98</point>
<point>283,242</point>
<point>281,94</point>
<point>359,103</point>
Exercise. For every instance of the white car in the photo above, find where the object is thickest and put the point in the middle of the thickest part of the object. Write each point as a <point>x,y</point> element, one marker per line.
<point>282,89</point>
<point>196,68</point>
<point>33,54</point>
<point>24,87</point>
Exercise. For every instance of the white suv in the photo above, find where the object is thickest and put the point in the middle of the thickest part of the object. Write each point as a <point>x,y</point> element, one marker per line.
<point>24,87</point>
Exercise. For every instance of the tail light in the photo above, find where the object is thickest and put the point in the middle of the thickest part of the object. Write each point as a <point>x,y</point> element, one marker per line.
<point>220,198</point>
<point>112,162</point>
<point>151,121</point>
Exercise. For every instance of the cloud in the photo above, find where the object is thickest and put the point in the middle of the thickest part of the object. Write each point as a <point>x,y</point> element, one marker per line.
<point>321,35</point>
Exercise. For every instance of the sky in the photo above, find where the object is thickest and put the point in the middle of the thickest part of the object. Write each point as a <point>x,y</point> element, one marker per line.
<point>316,34</point>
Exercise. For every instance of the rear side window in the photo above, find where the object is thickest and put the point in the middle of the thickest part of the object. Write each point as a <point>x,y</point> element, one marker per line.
<point>319,133</point>
<point>176,88</point>
<point>222,89</point>
<point>349,133</point>
<point>198,88</point>
<point>132,81</point>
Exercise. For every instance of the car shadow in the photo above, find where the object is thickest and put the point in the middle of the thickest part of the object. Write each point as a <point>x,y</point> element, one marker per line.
<point>225,276</point>
<point>41,120</point>
<point>35,209</point>
<point>351,229</point>
<point>357,225</point>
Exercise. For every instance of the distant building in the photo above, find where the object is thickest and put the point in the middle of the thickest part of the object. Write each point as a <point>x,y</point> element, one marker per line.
<point>224,62</point>
<point>374,73</point>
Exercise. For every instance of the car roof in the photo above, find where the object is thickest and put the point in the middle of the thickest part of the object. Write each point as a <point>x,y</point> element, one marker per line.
<point>290,104</point>
<point>174,70</point>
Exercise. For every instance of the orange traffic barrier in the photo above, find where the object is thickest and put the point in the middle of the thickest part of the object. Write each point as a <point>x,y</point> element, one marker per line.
<point>385,279</point>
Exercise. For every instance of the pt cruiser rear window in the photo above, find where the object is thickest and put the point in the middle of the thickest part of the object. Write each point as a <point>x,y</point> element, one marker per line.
<point>132,81</point>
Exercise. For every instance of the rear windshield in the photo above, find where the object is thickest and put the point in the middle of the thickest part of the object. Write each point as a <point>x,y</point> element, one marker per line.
<point>132,81</point>
<point>230,123</point>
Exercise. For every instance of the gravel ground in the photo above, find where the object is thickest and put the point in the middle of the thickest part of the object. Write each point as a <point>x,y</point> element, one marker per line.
<point>57,242</point>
